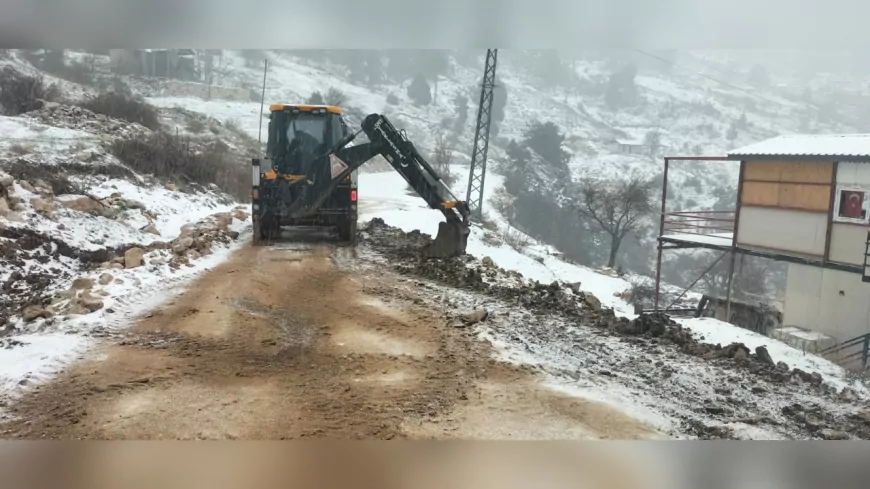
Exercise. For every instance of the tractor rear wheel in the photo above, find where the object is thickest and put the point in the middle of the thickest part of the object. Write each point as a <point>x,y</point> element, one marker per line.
<point>258,233</point>
<point>347,230</point>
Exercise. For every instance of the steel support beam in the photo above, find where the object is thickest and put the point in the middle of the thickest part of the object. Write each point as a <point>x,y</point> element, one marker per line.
<point>477,169</point>
<point>661,232</point>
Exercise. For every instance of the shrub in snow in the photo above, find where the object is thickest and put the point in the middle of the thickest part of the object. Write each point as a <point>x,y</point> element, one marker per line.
<point>316,98</point>
<point>335,97</point>
<point>121,106</point>
<point>515,239</point>
<point>195,126</point>
<point>20,93</point>
<point>166,156</point>
<point>54,61</point>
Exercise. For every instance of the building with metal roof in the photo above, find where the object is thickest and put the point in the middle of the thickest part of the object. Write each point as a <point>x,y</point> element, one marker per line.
<point>803,200</point>
<point>852,147</point>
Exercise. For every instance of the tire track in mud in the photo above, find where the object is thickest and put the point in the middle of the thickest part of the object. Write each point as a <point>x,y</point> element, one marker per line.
<point>295,341</point>
<point>274,343</point>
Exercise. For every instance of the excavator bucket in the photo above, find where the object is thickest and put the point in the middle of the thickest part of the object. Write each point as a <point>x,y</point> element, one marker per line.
<point>451,240</point>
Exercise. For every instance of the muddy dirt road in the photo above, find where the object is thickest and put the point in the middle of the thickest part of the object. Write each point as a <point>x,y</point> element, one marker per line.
<point>283,343</point>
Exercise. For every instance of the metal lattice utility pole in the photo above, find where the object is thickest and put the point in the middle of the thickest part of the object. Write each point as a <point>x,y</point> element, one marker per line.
<point>477,170</point>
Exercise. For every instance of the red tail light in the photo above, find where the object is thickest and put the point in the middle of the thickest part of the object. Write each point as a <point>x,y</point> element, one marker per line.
<point>353,195</point>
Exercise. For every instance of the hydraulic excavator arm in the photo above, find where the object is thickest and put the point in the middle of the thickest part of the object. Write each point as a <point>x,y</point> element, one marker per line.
<point>389,142</point>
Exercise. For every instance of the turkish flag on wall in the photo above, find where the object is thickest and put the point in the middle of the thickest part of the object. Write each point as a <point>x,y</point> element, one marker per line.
<point>851,204</point>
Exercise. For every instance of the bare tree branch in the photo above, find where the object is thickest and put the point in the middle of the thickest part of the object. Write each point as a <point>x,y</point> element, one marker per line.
<point>442,156</point>
<point>617,206</point>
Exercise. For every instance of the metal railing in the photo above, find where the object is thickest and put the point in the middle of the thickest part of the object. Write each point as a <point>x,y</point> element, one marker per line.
<point>674,311</point>
<point>699,222</point>
<point>857,347</point>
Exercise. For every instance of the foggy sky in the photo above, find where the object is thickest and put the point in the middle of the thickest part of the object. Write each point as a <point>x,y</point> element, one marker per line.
<point>564,24</point>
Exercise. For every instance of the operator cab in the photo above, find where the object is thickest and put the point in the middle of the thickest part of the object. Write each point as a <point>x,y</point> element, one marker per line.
<point>298,134</point>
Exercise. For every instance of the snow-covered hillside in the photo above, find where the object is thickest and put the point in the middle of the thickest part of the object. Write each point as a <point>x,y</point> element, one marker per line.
<point>87,242</point>
<point>105,240</point>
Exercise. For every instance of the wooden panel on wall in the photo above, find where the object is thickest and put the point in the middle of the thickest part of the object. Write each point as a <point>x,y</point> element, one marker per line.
<point>789,171</point>
<point>809,197</point>
<point>810,172</point>
<point>757,193</point>
<point>787,195</point>
<point>768,171</point>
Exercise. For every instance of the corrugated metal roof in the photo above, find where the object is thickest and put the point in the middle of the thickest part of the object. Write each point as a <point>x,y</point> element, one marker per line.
<point>842,146</point>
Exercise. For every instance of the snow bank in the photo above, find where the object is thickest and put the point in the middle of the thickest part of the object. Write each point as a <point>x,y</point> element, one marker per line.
<point>172,208</point>
<point>136,291</point>
<point>33,358</point>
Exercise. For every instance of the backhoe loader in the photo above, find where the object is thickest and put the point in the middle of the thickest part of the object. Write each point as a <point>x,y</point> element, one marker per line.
<point>308,176</point>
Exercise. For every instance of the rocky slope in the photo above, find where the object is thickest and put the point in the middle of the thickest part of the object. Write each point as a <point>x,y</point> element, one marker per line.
<point>710,391</point>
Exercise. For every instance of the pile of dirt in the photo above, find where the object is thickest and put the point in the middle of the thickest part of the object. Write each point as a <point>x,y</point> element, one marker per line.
<point>481,275</point>
<point>393,242</point>
<point>75,117</point>
<point>468,272</point>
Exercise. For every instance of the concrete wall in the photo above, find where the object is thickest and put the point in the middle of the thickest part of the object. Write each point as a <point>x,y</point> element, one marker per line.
<point>848,243</point>
<point>832,302</point>
<point>783,230</point>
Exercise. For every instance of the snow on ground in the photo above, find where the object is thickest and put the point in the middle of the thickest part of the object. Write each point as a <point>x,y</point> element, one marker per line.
<point>173,209</point>
<point>386,195</point>
<point>133,212</point>
<point>646,379</point>
<point>33,358</point>
<point>661,387</point>
<point>37,357</point>
<point>245,114</point>
<point>88,232</point>
<point>21,133</point>
<point>712,331</point>
<point>138,290</point>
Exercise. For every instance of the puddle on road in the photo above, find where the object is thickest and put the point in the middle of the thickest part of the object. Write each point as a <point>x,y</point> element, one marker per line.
<point>396,377</point>
<point>135,404</point>
<point>295,335</point>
